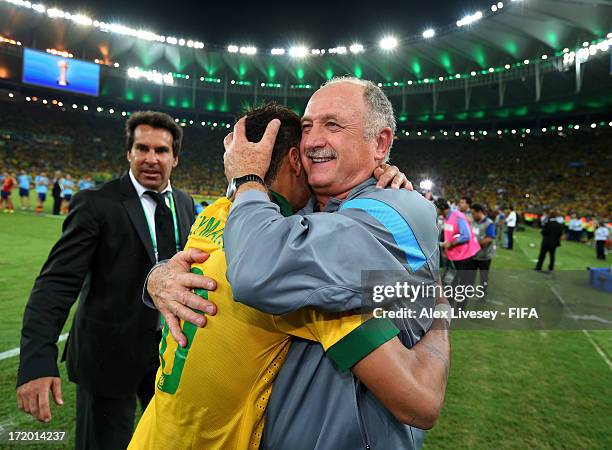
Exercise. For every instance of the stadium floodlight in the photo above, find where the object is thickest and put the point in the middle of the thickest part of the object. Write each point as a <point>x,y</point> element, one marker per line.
<point>561,128</point>
<point>441,78</point>
<point>545,57</point>
<point>190,43</point>
<point>499,132</point>
<point>467,20</point>
<point>491,70</point>
<point>298,51</point>
<point>249,50</point>
<point>513,132</point>
<point>593,125</point>
<point>526,61</point>
<point>45,102</point>
<point>426,80</point>
<point>388,43</point>
<point>356,48</point>
<point>11,95</point>
<point>277,51</point>
<point>419,133</point>
<point>410,81</point>
<point>484,133</point>
<point>379,84</point>
<point>576,127</point>
<point>233,48</point>
<point>473,73</point>
<point>458,75</point>
<point>426,185</point>
<point>507,66</point>
<point>171,40</point>
<point>500,5</point>
<point>85,108</point>
<point>456,133</point>
<point>429,33</point>
<point>528,130</point>
<point>182,42</point>
<point>544,130</point>
<point>610,124</point>
<point>494,8</point>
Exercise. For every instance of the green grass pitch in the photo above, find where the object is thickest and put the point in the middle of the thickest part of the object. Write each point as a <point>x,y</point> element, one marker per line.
<point>507,389</point>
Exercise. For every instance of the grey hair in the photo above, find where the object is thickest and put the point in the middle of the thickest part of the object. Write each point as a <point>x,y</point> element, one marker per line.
<point>380,109</point>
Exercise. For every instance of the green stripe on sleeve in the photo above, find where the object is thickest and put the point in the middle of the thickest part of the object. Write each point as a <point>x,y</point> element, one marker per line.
<point>361,341</point>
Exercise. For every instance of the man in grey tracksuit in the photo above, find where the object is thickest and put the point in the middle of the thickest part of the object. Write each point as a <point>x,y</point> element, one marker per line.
<point>279,265</point>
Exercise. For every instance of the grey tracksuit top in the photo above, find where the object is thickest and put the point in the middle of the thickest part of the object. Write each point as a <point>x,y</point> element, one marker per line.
<point>279,264</point>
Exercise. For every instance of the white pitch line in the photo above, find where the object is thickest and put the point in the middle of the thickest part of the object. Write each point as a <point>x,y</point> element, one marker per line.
<point>586,333</point>
<point>15,351</point>
<point>598,348</point>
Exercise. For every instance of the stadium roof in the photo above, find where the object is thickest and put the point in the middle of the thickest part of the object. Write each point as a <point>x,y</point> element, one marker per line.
<point>521,30</point>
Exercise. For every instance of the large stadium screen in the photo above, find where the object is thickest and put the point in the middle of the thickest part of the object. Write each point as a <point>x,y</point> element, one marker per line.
<point>67,74</point>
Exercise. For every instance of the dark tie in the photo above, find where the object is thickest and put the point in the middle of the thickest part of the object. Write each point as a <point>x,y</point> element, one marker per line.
<point>164,227</point>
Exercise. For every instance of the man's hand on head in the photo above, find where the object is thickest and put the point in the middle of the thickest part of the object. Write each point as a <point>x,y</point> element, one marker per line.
<point>391,176</point>
<point>243,157</point>
<point>170,286</point>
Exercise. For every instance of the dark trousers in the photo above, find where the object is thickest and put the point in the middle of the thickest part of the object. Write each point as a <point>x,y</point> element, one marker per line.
<point>551,251</point>
<point>57,203</point>
<point>465,276</point>
<point>108,423</point>
<point>510,231</point>
<point>483,267</point>
<point>601,249</point>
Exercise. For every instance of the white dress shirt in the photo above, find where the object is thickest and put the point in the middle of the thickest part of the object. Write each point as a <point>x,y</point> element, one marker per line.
<point>511,219</point>
<point>148,203</point>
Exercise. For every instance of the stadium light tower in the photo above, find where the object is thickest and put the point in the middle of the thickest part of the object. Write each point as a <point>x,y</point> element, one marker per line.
<point>298,51</point>
<point>388,43</point>
<point>429,33</point>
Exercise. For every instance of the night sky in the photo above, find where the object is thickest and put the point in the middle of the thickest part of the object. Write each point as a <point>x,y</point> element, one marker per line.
<point>268,24</point>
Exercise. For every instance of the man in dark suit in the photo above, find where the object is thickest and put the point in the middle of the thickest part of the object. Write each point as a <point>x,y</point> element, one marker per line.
<point>551,239</point>
<point>111,238</point>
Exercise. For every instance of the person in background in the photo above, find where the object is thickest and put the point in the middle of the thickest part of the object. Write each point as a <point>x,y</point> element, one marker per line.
<point>465,204</point>
<point>42,186</point>
<point>25,181</point>
<point>69,185</point>
<point>484,230</point>
<point>460,244</point>
<point>500,222</point>
<point>601,237</point>
<point>57,192</point>
<point>575,228</point>
<point>8,182</point>
<point>551,239</point>
<point>510,226</point>
<point>200,206</point>
<point>85,183</point>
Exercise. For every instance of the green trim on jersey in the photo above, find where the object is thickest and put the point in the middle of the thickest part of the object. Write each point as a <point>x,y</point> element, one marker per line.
<point>285,207</point>
<point>361,342</point>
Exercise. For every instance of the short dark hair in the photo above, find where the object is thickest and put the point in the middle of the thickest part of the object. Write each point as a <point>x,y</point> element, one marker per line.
<point>289,134</point>
<point>478,207</point>
<point>441,203</point>
<point>467,199</point>
<point>154,119</point>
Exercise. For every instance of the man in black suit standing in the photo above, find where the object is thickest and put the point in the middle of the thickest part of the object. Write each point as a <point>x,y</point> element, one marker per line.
<point>551,239</point>
<point>111,238</point>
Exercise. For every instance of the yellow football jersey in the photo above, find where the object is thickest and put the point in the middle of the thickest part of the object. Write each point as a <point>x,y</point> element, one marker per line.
<point>213,393</point>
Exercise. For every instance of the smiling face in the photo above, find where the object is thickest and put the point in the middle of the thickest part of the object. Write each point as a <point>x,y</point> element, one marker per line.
<point>335,153</point>
<point>151,158</point>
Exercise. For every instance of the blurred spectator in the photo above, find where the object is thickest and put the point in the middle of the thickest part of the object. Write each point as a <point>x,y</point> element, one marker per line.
<point>551,239</point>
<point>510,226</point>
<point>601,236</point>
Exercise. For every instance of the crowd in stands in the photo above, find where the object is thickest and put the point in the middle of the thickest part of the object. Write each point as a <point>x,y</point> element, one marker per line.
<point>568,173</point>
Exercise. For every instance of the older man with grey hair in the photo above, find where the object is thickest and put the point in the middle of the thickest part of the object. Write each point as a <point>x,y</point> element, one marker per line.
<point>280,264</point>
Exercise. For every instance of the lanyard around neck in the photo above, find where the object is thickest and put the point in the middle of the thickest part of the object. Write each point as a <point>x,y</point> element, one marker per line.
<point>152,228</point>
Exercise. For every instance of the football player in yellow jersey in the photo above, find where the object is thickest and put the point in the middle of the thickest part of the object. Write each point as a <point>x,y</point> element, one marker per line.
<point>212,393</point>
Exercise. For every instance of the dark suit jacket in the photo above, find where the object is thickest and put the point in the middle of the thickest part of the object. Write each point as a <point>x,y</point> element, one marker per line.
<point>552,232</point>
<point>105,253</point>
